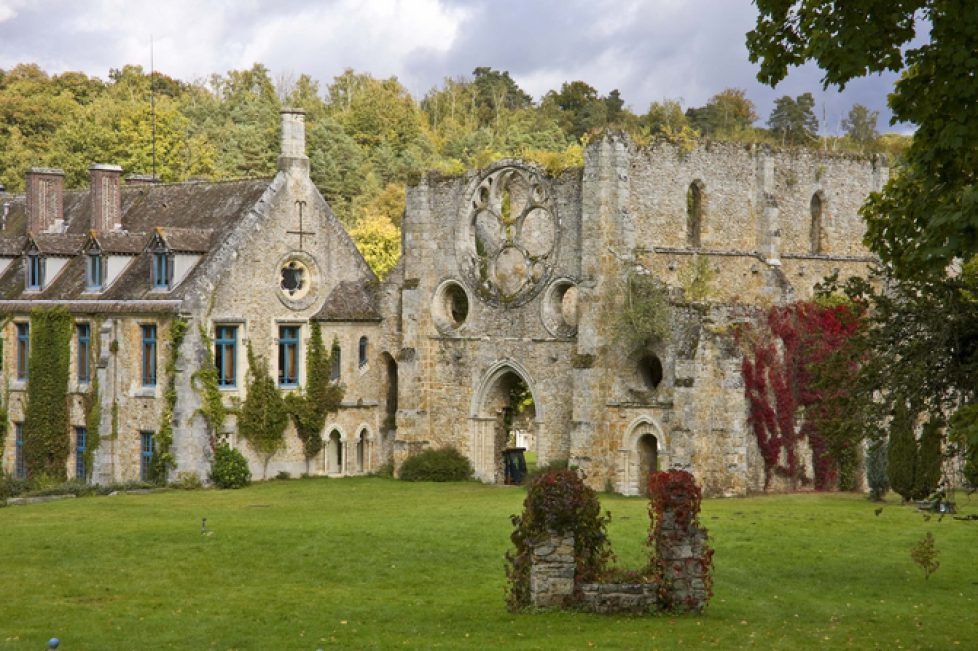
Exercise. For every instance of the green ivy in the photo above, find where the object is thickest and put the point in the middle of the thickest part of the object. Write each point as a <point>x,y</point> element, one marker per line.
<point>263,416</point>
<point>309,409</point>
<point>47,442</point>
<point>645,311</point>
<point>162,457</point>
<point>205,383</point>
<point>92,402</point>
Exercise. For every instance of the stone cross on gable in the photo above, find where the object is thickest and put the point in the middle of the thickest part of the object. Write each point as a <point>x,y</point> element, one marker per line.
<point>300,204</point>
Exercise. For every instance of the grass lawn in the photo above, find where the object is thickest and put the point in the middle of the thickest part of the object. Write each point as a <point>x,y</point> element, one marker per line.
<point>373,563</point>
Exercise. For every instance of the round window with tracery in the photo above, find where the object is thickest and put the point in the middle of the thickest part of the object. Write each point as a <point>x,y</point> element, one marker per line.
<point>508,236</point>
<point>293,278</point>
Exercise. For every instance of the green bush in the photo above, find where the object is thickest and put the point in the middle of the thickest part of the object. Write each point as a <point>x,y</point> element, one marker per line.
<point>10,486</point>
<point>71,487</point>
<point>230,468</point>
<point>901,458</point>
<point>283,475</point>
<point>929,460</point>
<point>188,481</point>
<point>445,464</point>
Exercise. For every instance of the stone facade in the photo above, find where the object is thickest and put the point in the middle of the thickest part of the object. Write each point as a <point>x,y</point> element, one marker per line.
<point>512,278</point>
<point>509,277</point>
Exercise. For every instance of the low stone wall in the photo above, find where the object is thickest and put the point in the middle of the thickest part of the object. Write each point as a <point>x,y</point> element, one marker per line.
<point>607,598</point>
<point>680,564</point>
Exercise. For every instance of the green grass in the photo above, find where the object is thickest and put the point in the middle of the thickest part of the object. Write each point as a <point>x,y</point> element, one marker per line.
<point>372,563</point>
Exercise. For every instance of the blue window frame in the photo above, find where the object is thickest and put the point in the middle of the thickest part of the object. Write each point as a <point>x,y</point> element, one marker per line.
<point>93,272</point>
<point>288,356</point>
<point>35,271</point>
<point>149,355</point>
<point>162,270</point>
<point>20,468</point>
<point>226,355</point>
<point>81,444</point>
<point>23,349</point>
<point>362,356</point>
<point>84,333</point>
<point>145,456</point>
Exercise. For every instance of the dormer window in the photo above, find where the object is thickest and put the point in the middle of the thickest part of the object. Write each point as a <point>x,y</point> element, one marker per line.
<point>35,270</point>
<point>162,270</point>
<point>94,276</point>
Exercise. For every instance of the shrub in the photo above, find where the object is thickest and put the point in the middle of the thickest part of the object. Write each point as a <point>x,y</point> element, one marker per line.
<point>551,466</point>
<point>230,468</point>
<point>283,475</point>
<point>901,457</point>
<point>557,502</point>
<point>876,470</point>
<point>386,471</point>
<point>188,481</point>
<point>929,458</point>
<point>71,487</point>
<point>10,486</point>
<point>445,464</point>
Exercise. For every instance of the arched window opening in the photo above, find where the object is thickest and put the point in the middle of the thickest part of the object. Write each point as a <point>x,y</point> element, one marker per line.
<point>361,449</point>
<point>335,355</point>
<point>694,214</point>
<point>650,370</point>
<point>334,453</point>
<point>362,352</point>
<point>817,233</point>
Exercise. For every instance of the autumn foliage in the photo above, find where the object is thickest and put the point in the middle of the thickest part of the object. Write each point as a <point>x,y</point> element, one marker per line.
<point>796,370</point>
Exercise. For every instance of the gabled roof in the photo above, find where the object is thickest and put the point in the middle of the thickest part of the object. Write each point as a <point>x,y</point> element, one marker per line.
<point>190,217</point>
<point>351,300</point>
<point>59,244</point>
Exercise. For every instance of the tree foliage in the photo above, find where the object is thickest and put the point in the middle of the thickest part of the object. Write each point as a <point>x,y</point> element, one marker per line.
<point>264,416</point>
<point>793,121</point>
<point>927,215</point>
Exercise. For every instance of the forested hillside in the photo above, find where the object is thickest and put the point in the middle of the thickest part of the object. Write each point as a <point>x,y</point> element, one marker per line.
<point>366,137</point>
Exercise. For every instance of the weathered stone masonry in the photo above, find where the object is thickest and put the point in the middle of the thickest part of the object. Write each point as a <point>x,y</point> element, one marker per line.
<point>507,276</point>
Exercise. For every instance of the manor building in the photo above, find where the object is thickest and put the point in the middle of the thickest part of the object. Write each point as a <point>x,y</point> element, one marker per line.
<point>510,281</point>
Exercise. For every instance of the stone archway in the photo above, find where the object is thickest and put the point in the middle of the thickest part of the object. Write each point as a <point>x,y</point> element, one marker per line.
<point>644,449</point>
<point>490,424</point>
<point>333,451</point>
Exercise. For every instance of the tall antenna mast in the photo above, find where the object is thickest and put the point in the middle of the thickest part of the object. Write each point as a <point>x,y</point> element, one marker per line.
<point>152,102</point>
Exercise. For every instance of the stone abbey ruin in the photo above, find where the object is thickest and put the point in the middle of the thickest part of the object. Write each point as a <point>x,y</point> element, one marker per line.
<point>511,283</point>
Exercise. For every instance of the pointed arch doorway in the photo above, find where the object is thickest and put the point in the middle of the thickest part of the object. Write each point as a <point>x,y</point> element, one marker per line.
<point>644,450</point>
<point>504,412</point>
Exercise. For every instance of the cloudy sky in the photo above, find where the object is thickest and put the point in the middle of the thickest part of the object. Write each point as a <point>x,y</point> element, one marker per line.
<point>649,49</point>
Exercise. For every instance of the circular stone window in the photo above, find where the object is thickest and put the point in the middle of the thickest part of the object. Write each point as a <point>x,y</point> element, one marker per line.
<point>297,279</point>
<point>559,308</point>
<point>450,307</point>
<point>650,371</point>
<point>508,235</point>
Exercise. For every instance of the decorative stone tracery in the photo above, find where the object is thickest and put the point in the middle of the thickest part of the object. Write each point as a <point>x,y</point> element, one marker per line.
<point>508,235</point>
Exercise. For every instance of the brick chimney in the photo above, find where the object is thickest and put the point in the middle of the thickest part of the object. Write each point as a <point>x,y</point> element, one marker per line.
<point>45,198</point>
<point>293,154</point>
<point>106,197</point>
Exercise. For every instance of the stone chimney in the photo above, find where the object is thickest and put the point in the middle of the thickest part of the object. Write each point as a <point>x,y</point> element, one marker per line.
<point>293,140</point>
<point>45,198</point>
<point>106,197</point>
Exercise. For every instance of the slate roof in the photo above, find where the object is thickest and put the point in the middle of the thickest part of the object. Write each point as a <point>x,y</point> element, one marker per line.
<point>351,301</point>
<point>190,217</point>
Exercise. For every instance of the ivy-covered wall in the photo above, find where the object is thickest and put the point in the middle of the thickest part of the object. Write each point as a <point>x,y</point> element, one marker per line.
<point>47,440</point>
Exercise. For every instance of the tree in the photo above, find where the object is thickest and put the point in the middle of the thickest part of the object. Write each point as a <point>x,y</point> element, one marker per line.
<point>901,458</point>
<point>876,475</point>
<point>264,416</point>
<point>578,107</point>
<point>860,125</point>
<point>725,114</point>
<point>793,120</point>
<point>497,92</point>
<point>927,215</point>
